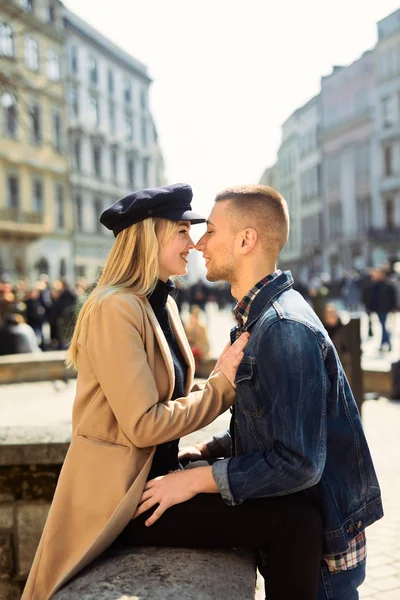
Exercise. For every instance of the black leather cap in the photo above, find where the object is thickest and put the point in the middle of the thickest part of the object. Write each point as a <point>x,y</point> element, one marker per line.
<point>168,202</point>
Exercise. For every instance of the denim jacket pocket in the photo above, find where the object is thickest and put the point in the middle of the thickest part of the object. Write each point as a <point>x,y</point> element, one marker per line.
<point>248,395</point>
<point>245,370</point>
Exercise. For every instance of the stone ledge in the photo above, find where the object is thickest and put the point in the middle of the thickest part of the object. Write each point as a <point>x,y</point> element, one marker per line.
<point>34,445</point>
<point>165,574</point>
<point>40,366</point>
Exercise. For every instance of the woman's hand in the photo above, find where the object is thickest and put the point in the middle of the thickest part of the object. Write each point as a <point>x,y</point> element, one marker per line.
<point>231,357</point>
<point>174,488</point>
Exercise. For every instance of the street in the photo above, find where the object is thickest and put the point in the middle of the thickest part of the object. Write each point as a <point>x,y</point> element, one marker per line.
<point>37,407</point>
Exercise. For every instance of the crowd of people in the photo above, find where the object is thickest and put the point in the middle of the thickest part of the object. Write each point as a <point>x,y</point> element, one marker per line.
<point>41,317</point>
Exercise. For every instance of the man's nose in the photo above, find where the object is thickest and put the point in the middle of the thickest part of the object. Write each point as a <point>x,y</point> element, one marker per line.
<point>200,244</point>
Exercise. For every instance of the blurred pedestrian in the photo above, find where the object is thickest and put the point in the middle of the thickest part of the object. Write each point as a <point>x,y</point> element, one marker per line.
<point>62,313</point>
<point>197,335</point>
<point>35,314</point>
<point>382,302</point>
<point>16,336</point>
<point>199,294</point>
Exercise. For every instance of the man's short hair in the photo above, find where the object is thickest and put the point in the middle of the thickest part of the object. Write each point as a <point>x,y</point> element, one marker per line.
<point>262,208</point>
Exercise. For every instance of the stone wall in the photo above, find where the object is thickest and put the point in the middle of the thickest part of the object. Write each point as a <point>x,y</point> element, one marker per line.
<point>30,463</point>
<point>41,366</point>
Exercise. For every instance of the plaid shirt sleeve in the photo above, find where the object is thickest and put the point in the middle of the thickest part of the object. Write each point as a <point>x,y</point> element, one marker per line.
<point>355,555</point>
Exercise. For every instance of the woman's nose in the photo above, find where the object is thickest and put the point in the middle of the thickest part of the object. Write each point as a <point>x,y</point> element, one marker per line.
<point>191,244</point>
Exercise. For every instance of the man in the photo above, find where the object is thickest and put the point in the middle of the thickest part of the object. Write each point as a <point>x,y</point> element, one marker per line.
<point>295,426</point>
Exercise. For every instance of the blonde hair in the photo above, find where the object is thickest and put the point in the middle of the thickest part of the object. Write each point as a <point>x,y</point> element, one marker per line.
<point>131,265</point>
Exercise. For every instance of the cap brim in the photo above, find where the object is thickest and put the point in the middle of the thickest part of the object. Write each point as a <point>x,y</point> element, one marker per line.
<point>184,215</point>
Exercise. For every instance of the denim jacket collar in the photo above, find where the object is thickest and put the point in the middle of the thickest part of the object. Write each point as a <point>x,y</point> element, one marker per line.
<point>283,282</point>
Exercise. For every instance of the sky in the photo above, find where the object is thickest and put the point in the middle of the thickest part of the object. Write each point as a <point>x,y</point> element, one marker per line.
<point>227,73</point>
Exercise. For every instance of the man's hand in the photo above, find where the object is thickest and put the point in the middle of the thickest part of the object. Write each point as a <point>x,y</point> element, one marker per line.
<point>174,488</point>
<point>192,453</point>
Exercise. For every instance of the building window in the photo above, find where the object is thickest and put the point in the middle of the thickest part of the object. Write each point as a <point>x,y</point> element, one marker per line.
<point>80,271</point>
<point>114,164</point>
<point>53,65</point>
<point>361,163</point>
<point>27,5</point>
<point>128,128</point>
<point>60,207</point>
<point>93,74</point>
<point>110,81</point>
<point>143,100</point>
<point>335,221</point>
<point>130,172</point>
<point>96,153</point>
<point>74,59</point>
<point>77,154</point>
<point>111,117</point>
<point>387,105</point>
<point>6,40</point>
<point>144,133</point>
<point>98,209</point>
<point>79,213</point>
<point>74,97</point>
<point>63,267</point>
<point>388,158</point>
<point>389,213</point>
<point>13,191</point>
<point>37,203</point>
<point>51,12</point>
<point>10,115</point>
<point>127,91</point>
<point>363,214</point>
<point>31,53</point>
<point>333,172</point>
<point>146,172</point>
<point>57,131</point>
<point>36,126</point>
<point>94,110</point>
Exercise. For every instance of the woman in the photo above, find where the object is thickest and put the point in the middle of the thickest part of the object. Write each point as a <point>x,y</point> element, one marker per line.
<point>135,372</point>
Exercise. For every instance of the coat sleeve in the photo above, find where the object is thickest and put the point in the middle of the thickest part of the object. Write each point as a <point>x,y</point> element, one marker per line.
<point>117,354</point>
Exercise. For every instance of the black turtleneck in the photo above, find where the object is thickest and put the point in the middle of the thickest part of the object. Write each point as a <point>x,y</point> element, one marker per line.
<point>166,456</point>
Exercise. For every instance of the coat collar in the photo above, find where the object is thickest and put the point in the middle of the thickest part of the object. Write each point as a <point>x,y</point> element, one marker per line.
<point>181,338</point>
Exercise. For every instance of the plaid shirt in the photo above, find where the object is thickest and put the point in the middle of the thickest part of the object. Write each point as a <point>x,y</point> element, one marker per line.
<point>357,551</point>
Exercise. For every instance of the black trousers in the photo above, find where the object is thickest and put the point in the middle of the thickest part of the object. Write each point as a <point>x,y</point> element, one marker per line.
<point>287,528</point>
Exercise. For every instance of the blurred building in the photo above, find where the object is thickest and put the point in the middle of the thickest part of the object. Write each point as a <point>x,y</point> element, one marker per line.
<point>298,179</point>
<point>385,229</point>
<point>338,166</point>
<point>35,212</point>
<point>311,204</point>
<point>348,168</point>
<point>270,176</point>
<point>112,138</point>
<point>288,179</point>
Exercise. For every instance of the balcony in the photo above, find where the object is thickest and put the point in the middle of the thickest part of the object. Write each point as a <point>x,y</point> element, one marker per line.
<point>390,183</point>
<point>384,234</point>
<point>21,223</point>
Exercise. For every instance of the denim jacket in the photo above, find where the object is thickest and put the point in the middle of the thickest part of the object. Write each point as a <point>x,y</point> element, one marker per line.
<point>297,426</point>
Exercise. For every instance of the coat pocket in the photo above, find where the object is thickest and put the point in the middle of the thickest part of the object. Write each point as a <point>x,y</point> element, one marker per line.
<point>101,441</point>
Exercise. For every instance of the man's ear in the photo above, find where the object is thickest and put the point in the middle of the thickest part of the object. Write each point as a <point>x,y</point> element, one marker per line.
<point>248,240</point>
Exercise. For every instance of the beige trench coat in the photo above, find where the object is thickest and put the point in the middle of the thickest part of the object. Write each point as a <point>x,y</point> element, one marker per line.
<point>121,413</point>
